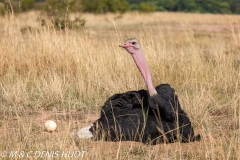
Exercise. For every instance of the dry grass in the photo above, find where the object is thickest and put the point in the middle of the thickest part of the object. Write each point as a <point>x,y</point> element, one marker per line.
<point>67,76</point>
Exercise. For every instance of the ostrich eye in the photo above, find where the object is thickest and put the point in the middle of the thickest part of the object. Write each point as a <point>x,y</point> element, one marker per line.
<point>133,43</point>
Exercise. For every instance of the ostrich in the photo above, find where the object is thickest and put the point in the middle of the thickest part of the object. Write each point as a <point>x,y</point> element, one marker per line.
<point>149,116</point>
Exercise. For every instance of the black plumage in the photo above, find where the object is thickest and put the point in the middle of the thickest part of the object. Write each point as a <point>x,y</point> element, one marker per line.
<point>130,117</point>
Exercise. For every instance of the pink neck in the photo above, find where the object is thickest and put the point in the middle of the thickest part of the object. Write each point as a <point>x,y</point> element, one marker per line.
<point>143,68</point>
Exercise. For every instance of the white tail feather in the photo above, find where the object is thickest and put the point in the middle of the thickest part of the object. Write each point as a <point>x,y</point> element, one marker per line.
<point>84,132</point>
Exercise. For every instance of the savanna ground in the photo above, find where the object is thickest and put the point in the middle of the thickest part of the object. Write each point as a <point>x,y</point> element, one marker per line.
<point>67,76</point>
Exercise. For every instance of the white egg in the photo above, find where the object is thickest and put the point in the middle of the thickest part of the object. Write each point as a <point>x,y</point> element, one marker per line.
<point>50,126</point>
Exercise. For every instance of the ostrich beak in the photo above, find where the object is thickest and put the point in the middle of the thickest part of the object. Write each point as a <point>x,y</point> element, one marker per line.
<point>121,45</point>
<point>125,45</point>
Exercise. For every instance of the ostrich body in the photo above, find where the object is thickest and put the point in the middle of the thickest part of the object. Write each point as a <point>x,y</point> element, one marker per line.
<point>148,116</point>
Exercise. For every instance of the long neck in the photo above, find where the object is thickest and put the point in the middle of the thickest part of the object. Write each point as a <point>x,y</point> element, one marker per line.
<point>143,68</point>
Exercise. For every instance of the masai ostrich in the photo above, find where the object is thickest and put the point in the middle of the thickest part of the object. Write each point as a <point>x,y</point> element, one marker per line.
<point>149,116</point>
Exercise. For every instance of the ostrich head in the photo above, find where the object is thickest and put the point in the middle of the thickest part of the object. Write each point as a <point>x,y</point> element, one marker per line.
<point>134,48</point>
<point>131,45</point>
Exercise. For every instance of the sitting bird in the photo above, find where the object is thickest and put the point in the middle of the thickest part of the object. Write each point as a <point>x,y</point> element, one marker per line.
<point>149,116</point>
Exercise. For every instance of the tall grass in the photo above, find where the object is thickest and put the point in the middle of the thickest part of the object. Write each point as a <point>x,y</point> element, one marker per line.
<point>68,75</point>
